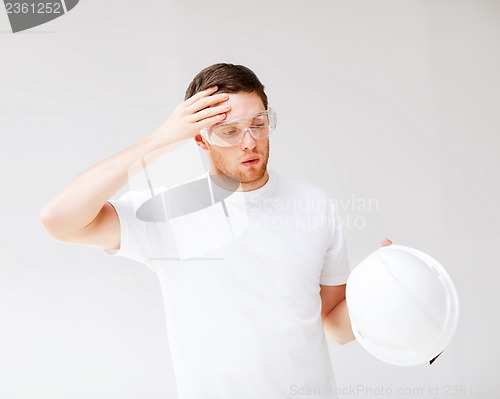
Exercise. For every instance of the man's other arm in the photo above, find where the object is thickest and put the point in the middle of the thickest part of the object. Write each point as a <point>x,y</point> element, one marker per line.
<point>334,312</point>
<point>335,315</point>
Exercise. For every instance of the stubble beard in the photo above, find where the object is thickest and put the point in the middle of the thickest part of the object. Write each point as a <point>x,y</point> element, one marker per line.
<point>238,172</point>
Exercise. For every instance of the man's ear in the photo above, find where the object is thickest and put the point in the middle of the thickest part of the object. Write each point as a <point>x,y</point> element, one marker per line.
<point>200,142</point>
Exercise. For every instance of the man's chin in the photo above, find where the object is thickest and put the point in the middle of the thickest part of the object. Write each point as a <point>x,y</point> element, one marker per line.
<point>250,175</point>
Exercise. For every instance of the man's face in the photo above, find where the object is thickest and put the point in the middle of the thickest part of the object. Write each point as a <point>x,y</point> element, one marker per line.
<point>231,160</point>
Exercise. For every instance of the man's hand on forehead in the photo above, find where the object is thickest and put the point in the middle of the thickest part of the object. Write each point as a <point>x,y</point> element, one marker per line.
<point>202,110</point>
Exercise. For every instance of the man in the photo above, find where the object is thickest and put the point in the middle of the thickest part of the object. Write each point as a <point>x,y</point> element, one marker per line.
<point>245,319</point>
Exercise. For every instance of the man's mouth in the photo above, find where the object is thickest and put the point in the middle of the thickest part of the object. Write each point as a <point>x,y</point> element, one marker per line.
<point>251,161</point>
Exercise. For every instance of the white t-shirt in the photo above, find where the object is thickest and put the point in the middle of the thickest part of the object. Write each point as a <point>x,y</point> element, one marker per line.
<point>244,318</point>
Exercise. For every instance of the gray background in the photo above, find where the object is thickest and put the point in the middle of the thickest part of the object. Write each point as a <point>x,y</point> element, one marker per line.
<point>393,101</point>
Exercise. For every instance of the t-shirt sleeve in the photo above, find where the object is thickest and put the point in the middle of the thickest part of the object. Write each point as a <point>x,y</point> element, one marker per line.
<point>139,240</point>
<point>335,269</point>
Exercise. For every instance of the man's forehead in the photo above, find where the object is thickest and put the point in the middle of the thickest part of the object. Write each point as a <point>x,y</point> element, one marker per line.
<point>243,105</point>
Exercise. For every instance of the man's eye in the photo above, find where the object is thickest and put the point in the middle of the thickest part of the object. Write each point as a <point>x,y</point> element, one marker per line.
<point>228,132</point>
<point>259,126</point>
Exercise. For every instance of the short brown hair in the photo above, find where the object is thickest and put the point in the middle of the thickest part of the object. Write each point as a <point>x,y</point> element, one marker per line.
<point>229,78</point>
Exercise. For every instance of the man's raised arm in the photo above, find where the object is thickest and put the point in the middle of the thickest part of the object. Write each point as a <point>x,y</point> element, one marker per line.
<point>80,212</point>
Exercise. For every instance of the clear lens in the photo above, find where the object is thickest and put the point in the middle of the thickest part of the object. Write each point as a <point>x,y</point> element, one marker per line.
<point>231,133</point>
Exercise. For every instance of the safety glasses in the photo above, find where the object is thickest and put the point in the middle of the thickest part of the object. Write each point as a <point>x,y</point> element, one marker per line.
<point>230,133</point>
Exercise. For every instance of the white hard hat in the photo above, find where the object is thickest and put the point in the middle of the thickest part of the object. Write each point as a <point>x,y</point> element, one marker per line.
<point>403,306</point>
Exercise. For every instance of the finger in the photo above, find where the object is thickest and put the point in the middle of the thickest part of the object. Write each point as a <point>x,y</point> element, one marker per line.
<point>209,121</point>
<point>200,94</point>
<point>206,102</point>
<point>386,242</point>
<point>209,112</point>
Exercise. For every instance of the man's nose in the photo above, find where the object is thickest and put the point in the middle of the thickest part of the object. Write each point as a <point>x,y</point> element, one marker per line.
<point>247,140</point>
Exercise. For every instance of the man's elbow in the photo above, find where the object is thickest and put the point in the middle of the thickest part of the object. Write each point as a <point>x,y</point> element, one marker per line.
<point>338,325</point>
<point>344,340</point>
<point>341,336</point>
